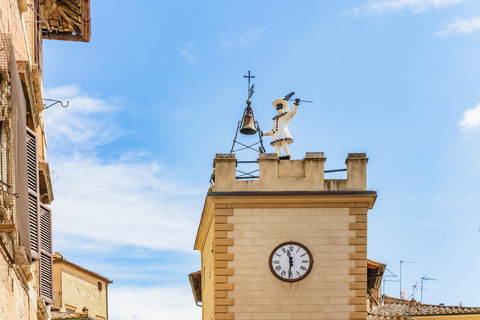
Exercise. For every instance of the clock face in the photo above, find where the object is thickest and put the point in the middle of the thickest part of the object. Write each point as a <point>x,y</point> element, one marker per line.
<point>290,261</point>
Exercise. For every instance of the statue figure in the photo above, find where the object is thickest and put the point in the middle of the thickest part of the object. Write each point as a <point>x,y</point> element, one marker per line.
<point>281,135</point>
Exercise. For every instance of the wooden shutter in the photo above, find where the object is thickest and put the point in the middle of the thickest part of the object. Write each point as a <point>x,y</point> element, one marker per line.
<point>46,230</point>
<point>40,217</point>
<point>32,161</point>
<point>19,123</point>
<point>46,260</point>
<point>46,278</point>
<point>33,203</point>
<point>33,217</point>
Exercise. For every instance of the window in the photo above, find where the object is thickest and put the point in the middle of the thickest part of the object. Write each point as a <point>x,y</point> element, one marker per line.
<point>99,286</point>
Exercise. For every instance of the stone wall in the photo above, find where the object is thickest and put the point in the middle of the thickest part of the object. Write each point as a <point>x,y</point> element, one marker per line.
<point>323,294</point>
<point>15,302</point>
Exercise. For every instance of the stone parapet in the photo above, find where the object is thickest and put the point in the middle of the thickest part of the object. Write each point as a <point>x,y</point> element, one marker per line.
<point>290,175</point>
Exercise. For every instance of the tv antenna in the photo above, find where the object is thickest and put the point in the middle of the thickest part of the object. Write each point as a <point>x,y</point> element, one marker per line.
<point>415,288</point>
<point>424,278</point>
<point>391,275</point>
<point>402,261</point>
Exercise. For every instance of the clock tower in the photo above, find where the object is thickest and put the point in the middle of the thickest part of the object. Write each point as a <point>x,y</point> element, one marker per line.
<point>288,245</point>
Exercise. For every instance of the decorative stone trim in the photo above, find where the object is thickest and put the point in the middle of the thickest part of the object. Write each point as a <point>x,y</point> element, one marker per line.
<point>221,257</point>
<point>359,256</point>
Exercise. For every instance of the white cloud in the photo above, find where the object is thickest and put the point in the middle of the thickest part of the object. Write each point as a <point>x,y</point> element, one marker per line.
<point>134,303</point>
<point>187,53</point>
<point>379,8</point>
<point>137,203</point>
<point>459,27</point>
<point>78,123</point>
<point>126,201</point>
<point>471,118</point>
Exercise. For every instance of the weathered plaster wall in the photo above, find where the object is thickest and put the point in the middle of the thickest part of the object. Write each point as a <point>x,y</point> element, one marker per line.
<point>11,23</point>
<point>57,285</point>
<point>80,289</point>
<point>15,301</point>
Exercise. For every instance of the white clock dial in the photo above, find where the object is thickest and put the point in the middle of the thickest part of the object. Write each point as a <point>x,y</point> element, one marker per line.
<point>290,261</point>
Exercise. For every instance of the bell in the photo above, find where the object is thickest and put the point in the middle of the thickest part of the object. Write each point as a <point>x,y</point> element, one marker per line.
<point>248,127</point>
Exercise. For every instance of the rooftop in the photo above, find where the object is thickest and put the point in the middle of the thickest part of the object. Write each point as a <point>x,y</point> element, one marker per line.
<point>71,315</point>
<point>58,258</point>
<point>411,309</point>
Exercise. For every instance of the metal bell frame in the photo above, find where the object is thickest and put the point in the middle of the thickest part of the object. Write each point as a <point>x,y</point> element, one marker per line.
<point>248,126</point>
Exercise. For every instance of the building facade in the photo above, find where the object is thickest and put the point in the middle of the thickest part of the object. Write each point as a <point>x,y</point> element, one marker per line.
<point>76,289</point>
<point>26,259</point>
<point>290,245</point>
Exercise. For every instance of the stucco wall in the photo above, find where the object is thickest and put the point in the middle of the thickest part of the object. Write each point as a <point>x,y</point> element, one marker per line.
<point>80,289</point>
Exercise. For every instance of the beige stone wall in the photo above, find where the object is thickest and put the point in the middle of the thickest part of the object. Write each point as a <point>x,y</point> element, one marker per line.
<point>15,303</point>
<point>11,23</point>
<point>80,289</point>
<point>208,272</point>
<point>323,294</point>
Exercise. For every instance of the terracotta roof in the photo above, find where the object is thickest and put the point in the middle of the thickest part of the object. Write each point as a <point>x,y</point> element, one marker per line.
<point>196,283</point>
<point>411,309</point>
<point>58,258</point>
<point>71,315</point>
<point>375,272</point>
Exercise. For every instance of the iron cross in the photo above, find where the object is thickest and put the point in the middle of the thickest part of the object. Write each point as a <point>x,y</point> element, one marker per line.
<point>250,89</point>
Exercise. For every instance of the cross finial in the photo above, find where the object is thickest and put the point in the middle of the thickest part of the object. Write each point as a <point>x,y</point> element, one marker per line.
<point>250,89</point>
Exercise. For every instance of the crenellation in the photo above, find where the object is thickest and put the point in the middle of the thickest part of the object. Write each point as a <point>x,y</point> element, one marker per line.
<point>307,174</point>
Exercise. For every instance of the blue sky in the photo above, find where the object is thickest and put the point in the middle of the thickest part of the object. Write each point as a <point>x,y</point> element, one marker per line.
<point>160,88</point>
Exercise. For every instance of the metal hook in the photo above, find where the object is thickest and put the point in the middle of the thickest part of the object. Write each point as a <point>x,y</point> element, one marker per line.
<point>50,29</point>
<point>56,101</point>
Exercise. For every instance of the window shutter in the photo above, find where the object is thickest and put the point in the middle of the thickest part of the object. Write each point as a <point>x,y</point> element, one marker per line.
<point>32,170</point>
<point>46,230</point>
<point>33,202</point>
<point>19,123</point>
<point>46,260</point>
<point>46,277</point>
<point>40,217</point>
<point>33,215</point>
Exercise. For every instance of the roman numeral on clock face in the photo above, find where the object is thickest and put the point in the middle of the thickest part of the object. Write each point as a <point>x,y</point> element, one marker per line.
<point>291,261</point>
